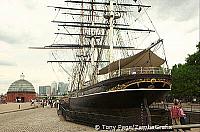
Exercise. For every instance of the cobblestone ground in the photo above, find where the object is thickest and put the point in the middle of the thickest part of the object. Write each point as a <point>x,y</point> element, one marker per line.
<point>14,106</point>
<point>38,120</point>
<point>41,120</point>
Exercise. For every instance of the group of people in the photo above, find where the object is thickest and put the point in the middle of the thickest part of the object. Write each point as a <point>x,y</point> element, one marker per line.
<point>177,114</point>
<point>45,102</point>
<point>51,103</point>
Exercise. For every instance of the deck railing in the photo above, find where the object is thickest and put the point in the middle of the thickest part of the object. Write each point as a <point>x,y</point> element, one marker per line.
<point>140,70</point>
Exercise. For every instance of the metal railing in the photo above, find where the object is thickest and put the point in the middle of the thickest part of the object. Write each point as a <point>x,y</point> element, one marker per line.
<point>186,106</point>
<point>140,70</point>
<point>192,111</point>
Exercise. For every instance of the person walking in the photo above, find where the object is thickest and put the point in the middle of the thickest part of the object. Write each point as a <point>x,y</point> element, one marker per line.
<point>43,103</point>
<point>182,115</point>
<point>32,102</point>
<point>175,114</point>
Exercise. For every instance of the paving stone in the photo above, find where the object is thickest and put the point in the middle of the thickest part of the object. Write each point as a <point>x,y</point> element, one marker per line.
<point>38,120</point>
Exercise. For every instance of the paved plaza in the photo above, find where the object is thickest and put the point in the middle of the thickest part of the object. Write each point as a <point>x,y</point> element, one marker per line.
<point>15,107</point>
<point>38,120</point>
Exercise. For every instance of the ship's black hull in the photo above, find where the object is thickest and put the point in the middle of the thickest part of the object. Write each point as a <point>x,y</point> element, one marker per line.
<point>121,100</point>
<point>100,97</point>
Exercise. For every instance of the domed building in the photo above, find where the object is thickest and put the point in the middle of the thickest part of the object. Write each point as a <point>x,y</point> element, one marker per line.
<point>21,91</point>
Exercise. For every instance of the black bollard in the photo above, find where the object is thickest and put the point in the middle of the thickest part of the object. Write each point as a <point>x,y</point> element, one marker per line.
<point>19,106</point>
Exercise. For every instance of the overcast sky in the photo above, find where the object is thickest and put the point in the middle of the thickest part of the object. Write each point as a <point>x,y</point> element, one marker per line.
<point>26,23</point>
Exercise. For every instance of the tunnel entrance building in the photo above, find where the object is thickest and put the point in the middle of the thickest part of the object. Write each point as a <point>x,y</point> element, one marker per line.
<point>21,91</point>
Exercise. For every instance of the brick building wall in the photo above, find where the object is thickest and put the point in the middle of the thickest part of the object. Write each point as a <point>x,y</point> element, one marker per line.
<point>22,96</point>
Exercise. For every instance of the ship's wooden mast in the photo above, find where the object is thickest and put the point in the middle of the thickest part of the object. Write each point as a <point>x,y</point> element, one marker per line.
<point>81,63</point>
<point>93,75</point>
<point>111,18</point>
<point>92,35</point>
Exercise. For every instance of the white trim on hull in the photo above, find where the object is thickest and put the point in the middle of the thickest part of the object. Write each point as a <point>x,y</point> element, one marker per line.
<point>140,89</point>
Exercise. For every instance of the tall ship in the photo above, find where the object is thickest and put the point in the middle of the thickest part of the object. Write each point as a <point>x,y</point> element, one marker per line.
<point>113,56</point>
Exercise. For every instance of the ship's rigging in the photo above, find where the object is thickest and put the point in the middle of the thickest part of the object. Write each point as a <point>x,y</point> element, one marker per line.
<point>97,27</point>
<point>111,54</point>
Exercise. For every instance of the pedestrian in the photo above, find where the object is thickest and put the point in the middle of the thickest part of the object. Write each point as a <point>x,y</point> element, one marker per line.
<point>43,103</point>
<point>182,115</point>
<point>32,102</point>
<point>175,114</point>
<point>51,103</point>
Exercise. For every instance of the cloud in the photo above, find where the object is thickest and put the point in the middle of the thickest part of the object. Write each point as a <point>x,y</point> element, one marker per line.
<point>4,85</point>
<point>179,10</point>
<point>12,35</point>
<point>7,63</point>
<point>193,29</point>
<point>23,21</point>
<point>15,25</point>
<point>30,4</point>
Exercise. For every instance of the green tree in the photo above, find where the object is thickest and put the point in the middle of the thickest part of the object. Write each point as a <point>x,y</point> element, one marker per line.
<point>186,77</point>
<point>194,59</point>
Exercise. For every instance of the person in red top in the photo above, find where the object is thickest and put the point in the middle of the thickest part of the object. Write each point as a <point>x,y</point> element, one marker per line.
<point>175,113</point>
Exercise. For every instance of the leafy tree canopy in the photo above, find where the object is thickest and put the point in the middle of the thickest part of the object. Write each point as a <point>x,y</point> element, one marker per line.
<point>186,77</point>
<point>194,59</point>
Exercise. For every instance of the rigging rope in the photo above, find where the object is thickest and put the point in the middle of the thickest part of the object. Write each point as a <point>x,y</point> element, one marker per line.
<point>56,14</point>
<point>151,21</point>
<point>158,36</point>
<point>61,65</point>
<point>55,73</point>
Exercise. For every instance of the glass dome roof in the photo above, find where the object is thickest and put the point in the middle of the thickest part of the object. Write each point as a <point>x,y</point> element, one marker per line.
<point>21,86</point>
